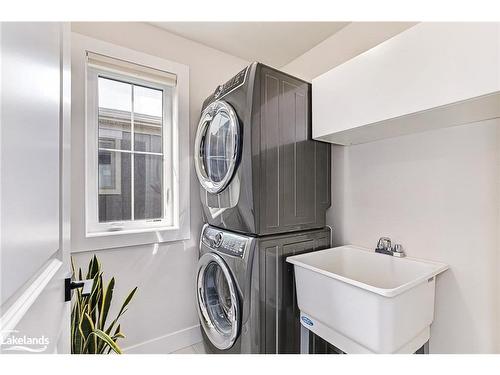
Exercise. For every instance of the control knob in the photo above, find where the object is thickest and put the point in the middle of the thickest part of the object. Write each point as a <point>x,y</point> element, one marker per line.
<point>218,91</point>
<point>218,239</point>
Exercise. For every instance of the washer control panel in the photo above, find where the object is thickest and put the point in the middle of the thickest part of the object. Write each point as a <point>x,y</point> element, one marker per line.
<point>224,242</point>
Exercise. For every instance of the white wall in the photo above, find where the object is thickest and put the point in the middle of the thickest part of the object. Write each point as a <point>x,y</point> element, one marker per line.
<point>438,194</point>
<point>350,41</point>
<point>163,314</point>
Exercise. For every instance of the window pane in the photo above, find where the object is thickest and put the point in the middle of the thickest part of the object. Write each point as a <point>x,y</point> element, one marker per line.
<point>115,105</point>
<point>114,186</point>
<point>148,119</point>
<point>219,147</point>
<point>148,189</point>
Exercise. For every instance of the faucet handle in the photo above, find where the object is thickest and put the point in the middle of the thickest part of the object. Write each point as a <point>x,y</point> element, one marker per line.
<point>384,243</point>
<point>398,250</point>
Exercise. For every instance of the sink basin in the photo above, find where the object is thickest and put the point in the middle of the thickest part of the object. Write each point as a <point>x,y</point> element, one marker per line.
<point>364,302</point>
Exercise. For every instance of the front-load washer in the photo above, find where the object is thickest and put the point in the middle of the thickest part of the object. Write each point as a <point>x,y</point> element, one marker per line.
<point>223,288</point>
<point>245,290</point>
<point>259,170</point>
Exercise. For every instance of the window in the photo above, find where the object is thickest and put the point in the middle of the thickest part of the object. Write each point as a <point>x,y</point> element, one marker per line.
<point>132,147</point>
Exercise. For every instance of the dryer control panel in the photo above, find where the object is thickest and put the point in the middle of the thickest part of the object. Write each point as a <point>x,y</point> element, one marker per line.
<point>226,88</point>
<point>224,242</point>
<point>234,82</point>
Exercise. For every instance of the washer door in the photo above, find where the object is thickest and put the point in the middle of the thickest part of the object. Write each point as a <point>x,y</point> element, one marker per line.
<point>217,146</point>
<point>218,302</point>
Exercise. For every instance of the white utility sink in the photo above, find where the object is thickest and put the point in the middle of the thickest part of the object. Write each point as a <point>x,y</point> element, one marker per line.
<point>365,302</point>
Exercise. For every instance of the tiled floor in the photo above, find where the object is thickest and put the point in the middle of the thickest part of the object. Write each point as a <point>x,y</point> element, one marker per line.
<point>197,348</point>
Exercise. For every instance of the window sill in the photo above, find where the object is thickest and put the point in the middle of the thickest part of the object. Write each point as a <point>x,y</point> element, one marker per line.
<point>97,241</point>
<point>130,231</point>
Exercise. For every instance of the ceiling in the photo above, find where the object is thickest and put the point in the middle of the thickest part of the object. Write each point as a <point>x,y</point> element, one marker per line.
<point>273,43</point>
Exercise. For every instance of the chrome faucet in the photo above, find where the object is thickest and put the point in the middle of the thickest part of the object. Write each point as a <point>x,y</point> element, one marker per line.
<point>384,246</point>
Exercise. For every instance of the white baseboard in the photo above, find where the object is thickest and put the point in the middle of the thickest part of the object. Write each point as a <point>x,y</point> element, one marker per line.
<point>167,343</point>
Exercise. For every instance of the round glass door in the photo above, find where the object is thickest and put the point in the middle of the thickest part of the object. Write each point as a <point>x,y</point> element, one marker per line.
<point>218,303</point>
<point>217,146</point>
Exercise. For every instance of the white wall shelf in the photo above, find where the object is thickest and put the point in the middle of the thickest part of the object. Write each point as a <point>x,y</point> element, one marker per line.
<point>433,75</point>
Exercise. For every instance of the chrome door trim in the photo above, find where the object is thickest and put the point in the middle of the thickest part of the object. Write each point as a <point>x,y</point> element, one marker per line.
<point>216,338</point>
<point>206,117</point>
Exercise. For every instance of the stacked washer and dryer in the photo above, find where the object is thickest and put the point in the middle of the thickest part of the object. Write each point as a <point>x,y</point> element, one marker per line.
<point>265,188</point>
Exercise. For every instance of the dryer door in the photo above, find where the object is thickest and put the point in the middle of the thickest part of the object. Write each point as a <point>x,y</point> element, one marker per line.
<point>217,146</point>
<point>218,302</point>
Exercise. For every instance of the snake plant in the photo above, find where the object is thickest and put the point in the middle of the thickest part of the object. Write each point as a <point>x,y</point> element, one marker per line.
<point>90,333</point>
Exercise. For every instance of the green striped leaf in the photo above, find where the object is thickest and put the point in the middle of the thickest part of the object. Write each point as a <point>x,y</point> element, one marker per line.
<point>107,340</point>
<point>106,303</point>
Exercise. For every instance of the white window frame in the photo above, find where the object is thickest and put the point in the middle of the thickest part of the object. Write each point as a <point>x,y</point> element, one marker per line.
<point>84,236</point>
<point>169,148</point>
